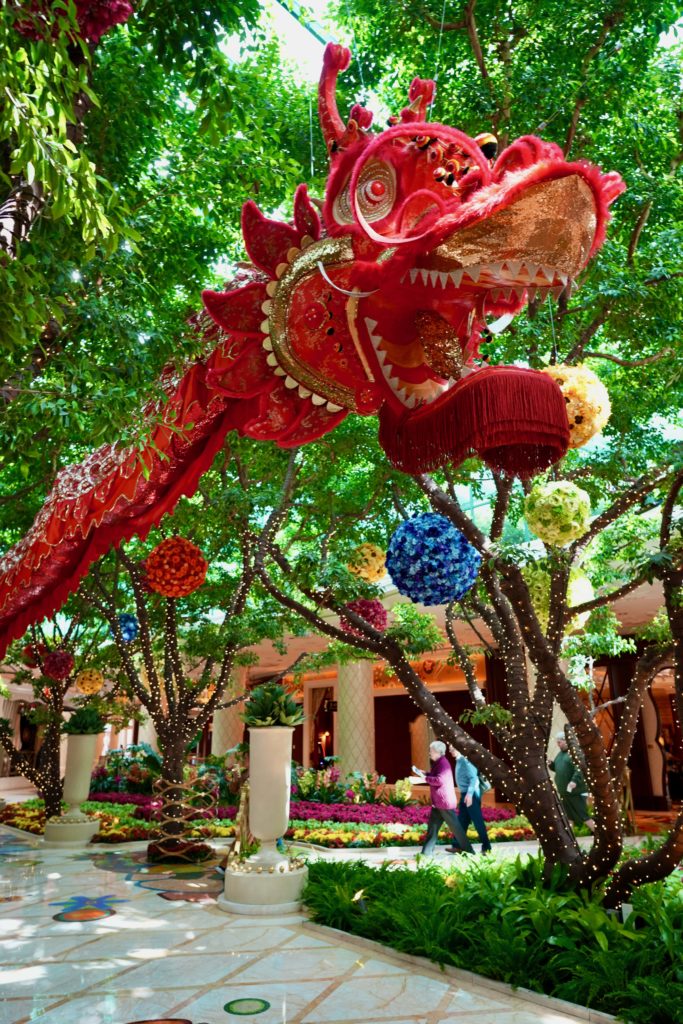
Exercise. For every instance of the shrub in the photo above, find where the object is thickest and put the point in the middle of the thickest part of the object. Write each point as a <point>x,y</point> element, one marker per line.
<point>501,921</point>
<point>85,721</point>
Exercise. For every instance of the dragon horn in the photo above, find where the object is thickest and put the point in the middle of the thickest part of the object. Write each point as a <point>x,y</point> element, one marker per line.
<point>335,59</point>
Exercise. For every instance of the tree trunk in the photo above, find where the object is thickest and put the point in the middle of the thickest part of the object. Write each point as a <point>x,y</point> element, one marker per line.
<point>47,778</point>
<point>174,843</point>
<point>18,214</point>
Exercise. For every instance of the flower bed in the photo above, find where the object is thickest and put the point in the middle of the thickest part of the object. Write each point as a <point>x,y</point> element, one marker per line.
<point>301,810</point>
<point>334,826</point>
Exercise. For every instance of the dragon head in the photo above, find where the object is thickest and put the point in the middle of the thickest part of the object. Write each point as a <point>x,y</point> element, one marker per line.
<point>426,236</point>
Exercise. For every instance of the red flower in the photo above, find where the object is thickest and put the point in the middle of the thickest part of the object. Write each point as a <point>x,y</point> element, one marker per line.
<point>175,568</point>
<point>58,664</point>
<point>94,17</point>
<point>370,609</point>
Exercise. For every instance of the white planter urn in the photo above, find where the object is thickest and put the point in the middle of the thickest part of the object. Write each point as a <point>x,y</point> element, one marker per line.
<point>74,828</point>
<point>268,882</point>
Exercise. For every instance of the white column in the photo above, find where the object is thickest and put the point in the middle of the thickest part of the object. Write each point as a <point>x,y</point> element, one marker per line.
<point>227,728</point>
<point>355,725</point>
<point>655,754</point>
<point>148,734</point>
<point>421,735</point>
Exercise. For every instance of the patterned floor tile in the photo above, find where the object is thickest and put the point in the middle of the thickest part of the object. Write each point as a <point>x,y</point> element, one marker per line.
<point>287,1001</point>
<point>383,998</point>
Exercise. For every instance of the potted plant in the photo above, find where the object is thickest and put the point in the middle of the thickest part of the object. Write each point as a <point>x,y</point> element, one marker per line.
<point>74,827</point>
<point>268,881</point>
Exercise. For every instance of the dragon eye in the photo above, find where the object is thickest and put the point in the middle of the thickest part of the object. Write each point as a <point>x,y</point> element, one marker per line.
<point>376,190</point>
<point>376,194</point>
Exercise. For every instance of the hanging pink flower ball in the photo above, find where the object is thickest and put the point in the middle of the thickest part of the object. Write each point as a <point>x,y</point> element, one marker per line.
<point>94,17</point>
<point>58,664</point>
<point>370,609</point>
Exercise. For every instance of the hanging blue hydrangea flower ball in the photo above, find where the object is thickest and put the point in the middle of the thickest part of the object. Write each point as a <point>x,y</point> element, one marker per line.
<point>430,561</point>
<point>129,626</point>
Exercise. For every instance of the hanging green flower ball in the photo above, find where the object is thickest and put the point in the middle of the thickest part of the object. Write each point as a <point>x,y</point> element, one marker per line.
<point>579,590</point>
<point>557,512</point>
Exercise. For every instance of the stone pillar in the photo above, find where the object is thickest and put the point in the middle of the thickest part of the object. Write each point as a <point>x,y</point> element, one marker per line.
<point>421,735</point>
<point>148,734</point>
<point>355,725</point>
<point>227,728</point>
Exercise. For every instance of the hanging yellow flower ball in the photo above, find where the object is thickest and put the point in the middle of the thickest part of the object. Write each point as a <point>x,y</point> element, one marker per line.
<point>369,562</point>
<point>579,590</point>
<point>89,681</point>
<point>588,404</point>
<point>558,512</point>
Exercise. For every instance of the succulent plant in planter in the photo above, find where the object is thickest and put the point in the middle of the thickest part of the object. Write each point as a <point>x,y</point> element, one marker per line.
<point>270,704</point>
<point>85,721</point>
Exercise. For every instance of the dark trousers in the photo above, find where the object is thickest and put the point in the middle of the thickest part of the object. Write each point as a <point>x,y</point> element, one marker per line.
<point>472,815</point>
<point>438,815</point>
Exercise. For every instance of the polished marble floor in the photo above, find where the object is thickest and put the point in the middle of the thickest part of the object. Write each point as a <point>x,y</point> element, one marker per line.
<point>93,938</point>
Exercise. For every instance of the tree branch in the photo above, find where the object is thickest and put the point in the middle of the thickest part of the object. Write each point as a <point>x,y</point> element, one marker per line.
<point>636,233</point>
<point>631,362</point>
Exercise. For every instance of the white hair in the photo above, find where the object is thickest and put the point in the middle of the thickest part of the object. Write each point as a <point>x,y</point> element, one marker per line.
<point>560,736</point>
<point>439,747</point>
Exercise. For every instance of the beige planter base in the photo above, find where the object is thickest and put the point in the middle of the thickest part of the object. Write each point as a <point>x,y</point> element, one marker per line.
<point>70,831</point>
<point>256,890</point>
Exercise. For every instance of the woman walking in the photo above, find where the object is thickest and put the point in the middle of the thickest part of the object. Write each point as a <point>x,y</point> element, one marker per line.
<point>442,791</point>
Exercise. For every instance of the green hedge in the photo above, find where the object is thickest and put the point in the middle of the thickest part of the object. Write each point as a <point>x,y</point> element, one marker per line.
<point>497,920</point>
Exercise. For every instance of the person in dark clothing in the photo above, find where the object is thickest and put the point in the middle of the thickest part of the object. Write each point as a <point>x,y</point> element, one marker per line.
<point>469,804</point>
<point>571,785</point>
<point>442,790</point>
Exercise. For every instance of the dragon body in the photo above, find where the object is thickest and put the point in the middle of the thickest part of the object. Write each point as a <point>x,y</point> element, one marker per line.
<point>376,306</point>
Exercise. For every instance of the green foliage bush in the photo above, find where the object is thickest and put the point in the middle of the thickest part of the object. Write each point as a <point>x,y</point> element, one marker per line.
<point>85,721</point>
<point>270,704</point>
<point>502,921</point>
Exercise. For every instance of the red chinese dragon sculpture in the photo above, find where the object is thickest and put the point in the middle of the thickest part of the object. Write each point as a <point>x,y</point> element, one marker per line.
<point>379,309</point>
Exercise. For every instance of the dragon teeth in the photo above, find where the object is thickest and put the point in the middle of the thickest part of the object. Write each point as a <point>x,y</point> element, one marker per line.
<point>318,400</point>
<point>267,344</point>
<point>413,275</point>
<point>331,407</point>
<point>456,277</point>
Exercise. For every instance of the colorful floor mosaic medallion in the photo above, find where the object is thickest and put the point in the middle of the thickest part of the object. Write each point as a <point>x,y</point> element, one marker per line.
<point>194,883</point>
<point>190,897</point>
<point>245,1007</point>
<point>86,908</point>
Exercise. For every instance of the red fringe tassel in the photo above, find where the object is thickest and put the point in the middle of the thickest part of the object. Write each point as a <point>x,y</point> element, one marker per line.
<point>514,419</point>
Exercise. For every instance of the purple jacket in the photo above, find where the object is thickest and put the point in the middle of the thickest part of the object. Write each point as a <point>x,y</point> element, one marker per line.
<point>441,785</point>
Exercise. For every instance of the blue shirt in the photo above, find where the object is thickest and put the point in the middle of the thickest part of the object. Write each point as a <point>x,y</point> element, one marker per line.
<point>467,778</point>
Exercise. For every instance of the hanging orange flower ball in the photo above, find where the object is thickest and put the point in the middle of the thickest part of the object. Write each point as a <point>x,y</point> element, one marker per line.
<point>586,398</point>
<point>89,681</point>
<point>175,568</point>
<point>369,563</point>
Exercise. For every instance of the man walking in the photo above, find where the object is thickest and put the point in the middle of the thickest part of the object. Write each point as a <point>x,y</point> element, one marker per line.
<point>571,785</point>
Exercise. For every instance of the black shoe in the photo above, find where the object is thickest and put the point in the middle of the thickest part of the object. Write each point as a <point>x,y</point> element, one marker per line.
<point>454,849</point>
